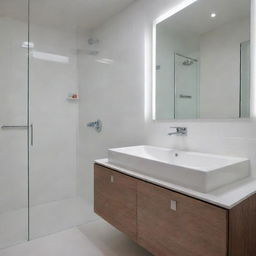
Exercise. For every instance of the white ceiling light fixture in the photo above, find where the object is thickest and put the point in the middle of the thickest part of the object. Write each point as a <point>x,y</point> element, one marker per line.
<point>213,15</point>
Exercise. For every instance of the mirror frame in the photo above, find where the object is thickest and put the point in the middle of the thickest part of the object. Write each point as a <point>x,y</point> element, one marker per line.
<point>184,4</point>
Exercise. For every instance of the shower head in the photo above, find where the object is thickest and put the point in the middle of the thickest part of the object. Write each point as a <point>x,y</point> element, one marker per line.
<point>188,62</point>
<point>93,46</point>
<point>93,41</point>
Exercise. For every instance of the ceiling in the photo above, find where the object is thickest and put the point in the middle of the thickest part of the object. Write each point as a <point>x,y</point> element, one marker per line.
<point>64,14</point>
<point>196,18</point>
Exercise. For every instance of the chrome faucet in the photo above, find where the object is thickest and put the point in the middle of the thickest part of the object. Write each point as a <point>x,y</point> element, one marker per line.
<point>97,125</point>
<point>180,131</point>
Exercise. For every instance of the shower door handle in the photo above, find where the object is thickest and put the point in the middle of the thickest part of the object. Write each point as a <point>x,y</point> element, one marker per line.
<point>22,127</point>
<point>31,135</point>
<point>14,126</point>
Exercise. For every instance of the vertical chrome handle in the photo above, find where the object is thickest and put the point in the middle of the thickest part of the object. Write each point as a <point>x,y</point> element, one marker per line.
<point>112,179</point>
<point>32,135</point>
<point>22,127</point>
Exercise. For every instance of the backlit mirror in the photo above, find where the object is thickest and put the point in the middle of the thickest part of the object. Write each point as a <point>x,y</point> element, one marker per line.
<point>202,62</point>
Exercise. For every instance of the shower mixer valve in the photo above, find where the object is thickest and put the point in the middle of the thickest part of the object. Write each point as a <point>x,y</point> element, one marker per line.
<point>97,125</point>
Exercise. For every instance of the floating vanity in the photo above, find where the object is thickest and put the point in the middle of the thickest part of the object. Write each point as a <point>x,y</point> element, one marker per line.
<point>178,203</point>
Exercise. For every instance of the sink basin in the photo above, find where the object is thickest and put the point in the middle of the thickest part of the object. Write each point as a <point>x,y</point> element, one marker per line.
<point>197,171</point>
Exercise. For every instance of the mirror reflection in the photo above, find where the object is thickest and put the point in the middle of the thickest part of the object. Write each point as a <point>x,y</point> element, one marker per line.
<point>203,62</point>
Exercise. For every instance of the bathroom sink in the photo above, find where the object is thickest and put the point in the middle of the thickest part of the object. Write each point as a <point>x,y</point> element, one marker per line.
<point>197,171</point>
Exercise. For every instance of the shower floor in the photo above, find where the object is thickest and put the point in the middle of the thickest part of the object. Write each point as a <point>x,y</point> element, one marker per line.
<point>96,238</point>
<point>45,219</point>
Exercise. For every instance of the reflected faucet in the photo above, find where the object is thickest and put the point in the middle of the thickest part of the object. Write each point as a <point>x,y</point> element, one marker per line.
<point>180,131</point>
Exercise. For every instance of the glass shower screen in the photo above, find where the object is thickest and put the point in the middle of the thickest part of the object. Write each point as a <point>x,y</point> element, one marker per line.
<point>13,122</point>
<point>41,189</point>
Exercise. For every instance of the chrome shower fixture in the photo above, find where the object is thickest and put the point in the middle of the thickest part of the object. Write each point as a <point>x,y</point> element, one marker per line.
<point>188,62</point>
<point>97,125</point>
<point>93,41</point>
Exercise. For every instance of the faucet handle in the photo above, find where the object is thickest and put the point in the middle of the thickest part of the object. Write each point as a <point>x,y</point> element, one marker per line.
<point>182,131</point>
<point>97,125</point>
<point>179,128</point>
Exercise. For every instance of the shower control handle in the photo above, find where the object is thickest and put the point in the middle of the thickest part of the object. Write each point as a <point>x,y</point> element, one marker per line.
<point>97,125</point>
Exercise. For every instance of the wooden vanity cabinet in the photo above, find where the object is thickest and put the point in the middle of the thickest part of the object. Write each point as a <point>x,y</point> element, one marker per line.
<point>167,223</point>
<point>115,199</point>
<point>191,228</point>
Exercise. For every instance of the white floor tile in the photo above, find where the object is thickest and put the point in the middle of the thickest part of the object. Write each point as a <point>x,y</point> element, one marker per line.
<point>93,239</point>
<point>60,215</point>
<point>45,219</point>
<point>110,241</point>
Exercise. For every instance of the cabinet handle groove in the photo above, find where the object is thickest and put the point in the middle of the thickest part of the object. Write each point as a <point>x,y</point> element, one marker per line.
<point>173,205</point>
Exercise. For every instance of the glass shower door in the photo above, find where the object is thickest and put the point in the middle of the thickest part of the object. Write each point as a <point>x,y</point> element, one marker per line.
<point>56,202</point>
<point>13,122</point>
<point>186,87</point>
<point>245,80</point>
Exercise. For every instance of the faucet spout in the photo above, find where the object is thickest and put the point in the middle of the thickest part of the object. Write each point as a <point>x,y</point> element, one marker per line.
<point>180,131</point>
<point>173,133</point>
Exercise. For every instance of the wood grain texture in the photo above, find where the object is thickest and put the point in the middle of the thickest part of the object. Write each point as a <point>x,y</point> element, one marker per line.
<point>116,202</point>
<point>242,228</point>
<point>195,229</point>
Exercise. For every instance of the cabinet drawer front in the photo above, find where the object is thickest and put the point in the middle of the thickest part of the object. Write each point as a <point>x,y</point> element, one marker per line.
<point>115,199</point>
<point>172,224</point>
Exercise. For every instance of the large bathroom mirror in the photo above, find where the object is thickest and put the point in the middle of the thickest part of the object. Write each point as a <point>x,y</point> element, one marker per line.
<point>202,61</point>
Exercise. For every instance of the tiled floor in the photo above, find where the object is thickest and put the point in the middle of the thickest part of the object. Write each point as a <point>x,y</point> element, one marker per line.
<point>93,239</point>
<point>44,219</point>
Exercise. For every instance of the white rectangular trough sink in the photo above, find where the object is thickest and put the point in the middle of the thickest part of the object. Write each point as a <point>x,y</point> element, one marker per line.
<point>197,171</point>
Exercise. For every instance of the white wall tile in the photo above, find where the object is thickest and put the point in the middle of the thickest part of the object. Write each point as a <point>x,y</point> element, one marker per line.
<point>120,94</point>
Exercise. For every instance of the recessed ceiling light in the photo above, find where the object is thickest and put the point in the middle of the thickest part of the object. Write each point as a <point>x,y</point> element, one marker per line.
<point>213,15</point>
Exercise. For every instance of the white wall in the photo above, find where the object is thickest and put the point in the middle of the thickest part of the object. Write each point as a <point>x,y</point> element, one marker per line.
<point>107,92</point>
<point>121,94</point>
<point>53,158</point>
<point>220,69</point>
<point>164,77</point>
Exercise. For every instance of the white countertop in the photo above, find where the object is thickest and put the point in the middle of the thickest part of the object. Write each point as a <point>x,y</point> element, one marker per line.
<point>226,197</point>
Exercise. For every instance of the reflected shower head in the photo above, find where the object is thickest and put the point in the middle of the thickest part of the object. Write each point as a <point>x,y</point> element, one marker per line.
<point>93,48</point>
<point>188,62</point>
<point>93,41</point>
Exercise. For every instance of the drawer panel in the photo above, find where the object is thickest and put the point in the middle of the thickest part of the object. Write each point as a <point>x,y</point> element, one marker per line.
<point>172,224</point>
<point>115,199</point>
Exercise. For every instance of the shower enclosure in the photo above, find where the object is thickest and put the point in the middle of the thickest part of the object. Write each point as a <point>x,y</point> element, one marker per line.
<point>39,177</point>
<point>245,80</point>
<point>14,124</point>
<point>186,87</point>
